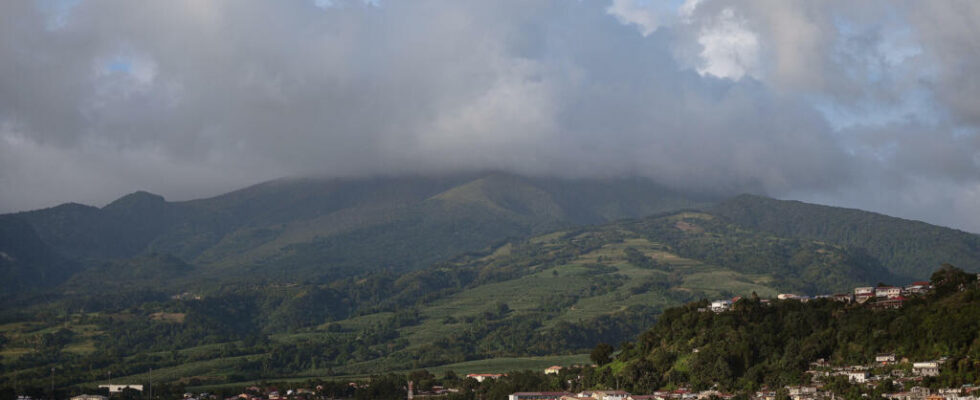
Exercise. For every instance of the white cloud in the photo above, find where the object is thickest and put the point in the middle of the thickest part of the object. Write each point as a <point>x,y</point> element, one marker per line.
<point>729,48</point>
<point>645,16</point>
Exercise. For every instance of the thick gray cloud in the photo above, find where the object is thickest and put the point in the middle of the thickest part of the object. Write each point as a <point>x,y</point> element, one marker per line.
<point>871,105</point>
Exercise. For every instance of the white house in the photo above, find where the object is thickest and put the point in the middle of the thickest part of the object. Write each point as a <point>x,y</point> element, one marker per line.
<point>721,305</point>
<point>885,359</point>
<point>888,292</point>
<point>927,368</point>
<point>120,388</point>
<point>857,376</point>
<point>553,370</point>
<point>483,377</point>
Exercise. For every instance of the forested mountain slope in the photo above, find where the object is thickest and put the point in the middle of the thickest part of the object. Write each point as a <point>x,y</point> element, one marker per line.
<point>911,249</point>
<point>322,229</point>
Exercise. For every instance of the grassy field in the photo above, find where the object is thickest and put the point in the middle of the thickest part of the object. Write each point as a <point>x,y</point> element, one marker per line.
<point>488,366</point>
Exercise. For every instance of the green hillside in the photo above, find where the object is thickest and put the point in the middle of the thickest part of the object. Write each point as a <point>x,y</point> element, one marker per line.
<point>773,344</point>
<point>911,249</point>
<point>25,260</point>
<point>554,294</point>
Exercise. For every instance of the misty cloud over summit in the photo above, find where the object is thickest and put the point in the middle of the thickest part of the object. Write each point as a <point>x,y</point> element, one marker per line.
<point>872,104</point>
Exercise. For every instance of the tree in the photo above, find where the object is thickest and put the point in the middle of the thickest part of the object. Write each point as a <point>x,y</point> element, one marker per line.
<point>602,354</point>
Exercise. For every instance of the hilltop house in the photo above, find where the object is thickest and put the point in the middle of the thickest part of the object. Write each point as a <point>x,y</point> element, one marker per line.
<point>890,292</point>
<point>857,376</point>
<point>862,294</point>
<point>843,297</point>
<point>918,287</point>
<point>553,370</point>
<point>120,388</point>
<point>483,377</point>
<point>926,368</point>
<point>721,305</point>
<point>885,359</point>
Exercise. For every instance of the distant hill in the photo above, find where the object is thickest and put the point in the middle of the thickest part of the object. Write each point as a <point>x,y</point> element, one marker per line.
<point>911,249</point>
<point>26,261</point>
<point>322,229</point>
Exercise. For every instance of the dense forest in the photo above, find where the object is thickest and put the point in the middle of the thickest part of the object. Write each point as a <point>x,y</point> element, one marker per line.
<point>773,344</point>
<point>902,246</point>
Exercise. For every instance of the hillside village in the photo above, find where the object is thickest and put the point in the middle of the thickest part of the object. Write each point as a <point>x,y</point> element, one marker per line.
<point>881,297</point>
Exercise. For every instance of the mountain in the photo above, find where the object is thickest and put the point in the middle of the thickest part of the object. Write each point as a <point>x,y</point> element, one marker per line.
<point>910,249</point>
<point>324,229</point>
<point>25,260</point>
<point>557,293</point>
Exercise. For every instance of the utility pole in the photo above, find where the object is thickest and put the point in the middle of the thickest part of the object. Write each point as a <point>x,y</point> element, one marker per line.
<point>52,383</point>
<point>151,384</point>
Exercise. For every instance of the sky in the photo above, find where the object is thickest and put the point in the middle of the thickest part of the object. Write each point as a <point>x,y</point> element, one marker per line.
<point>872,104</point>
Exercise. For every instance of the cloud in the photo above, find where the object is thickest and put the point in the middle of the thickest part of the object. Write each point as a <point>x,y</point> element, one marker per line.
<point>791,98</point>
<point>729,49</point>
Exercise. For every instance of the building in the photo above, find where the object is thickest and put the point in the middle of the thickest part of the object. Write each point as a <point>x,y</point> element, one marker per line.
<point>857,376</point>
<point>918,287</point>
<point>889,292</point>
<point>885,359</point>
<point>802,392</point>
<point>609,395</point>
<point>927,368</point>
<point>843,297</point>
<point>864,291</point>
<point>553,370</point>
<point>89,397</point>
<point>721,305</point>
<point>537,395</point>
<point>483,377</point>
<point>120,388</point>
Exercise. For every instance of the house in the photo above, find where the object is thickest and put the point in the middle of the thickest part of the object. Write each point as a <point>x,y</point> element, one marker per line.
<point>857,376</point>
<point>483,377</point>
<point>120,388</point>
<point>918,287</point>
<point>787,296</point>
<point>885,359</point>
<point>721,305</point>
<point>610,395</point>
<point>862,294</point>
<point>553,370</point>
<point>537,395</point>
<point>802,392</point>
<point>843,297</point>
<point>889,292</point>
<point>89,397</point>
<point>764,395</point>
<point>927,368</point>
